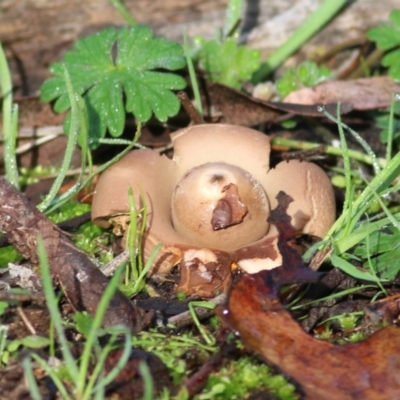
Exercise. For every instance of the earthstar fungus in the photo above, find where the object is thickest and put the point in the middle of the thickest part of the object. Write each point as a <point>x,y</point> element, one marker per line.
<point>210,203</point>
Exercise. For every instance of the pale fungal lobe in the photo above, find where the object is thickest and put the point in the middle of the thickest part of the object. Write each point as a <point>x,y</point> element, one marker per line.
<point>215,194</point>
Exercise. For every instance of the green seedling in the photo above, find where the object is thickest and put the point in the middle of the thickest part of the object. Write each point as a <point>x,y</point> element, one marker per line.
<point>28,176</point>
<point>223,59</point>
<point>104,78</point>
<point>68,211</point>
<point>173,349</point>
<point>348,323</point>
<point>13,348</point>
<point>89,237</point>
<point>240,378</point>
<point>226,62</point>
<point>307,74</point>
<point>137,269</point>
<point>384,249</point>
<point>8,254</point>
<point>387,37</point>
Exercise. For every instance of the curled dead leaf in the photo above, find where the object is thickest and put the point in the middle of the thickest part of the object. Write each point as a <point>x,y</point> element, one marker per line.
<point>366,370</point>
<point>362,94</point>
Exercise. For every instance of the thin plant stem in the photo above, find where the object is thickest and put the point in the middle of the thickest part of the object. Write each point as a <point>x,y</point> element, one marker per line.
<point>363,143</point>
<point>193,78</point>
<point>209,339</point>
<point>30,378</point>
<point>132,238</point>
<point>371,267</point>
<point>144,371</point>
<point>66,196</point>
<point>360,233</point>
<point>71,144</point>
<point>93,334</point>
<point>331,297</point>
<point>389,146</point>
<point>10,121</point>
<point>125,14</point>
<point>106,380</point>
<point>54,377</point>
<point>52,305</point>
<point>147,267</point>
<point>332,150</point>
<point>233,15</point>
<point>346,161</point>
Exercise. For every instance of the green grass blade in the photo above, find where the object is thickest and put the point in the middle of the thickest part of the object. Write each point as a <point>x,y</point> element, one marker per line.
<point>63,198</point>
<point>360,233</point>
<point>10,121</point>
<point>192,75</point>
<point>125,14</point>
<point>363,143</point>
<point>106,380</point>
<point>351,270</point>
<point>91,340</point>
<point>334,151</point>
<point>144,370</point>
<point>30,378</point>
<point>54,377</point>
<point>71,144</point>
<point>52,304</point>
<point>389,147</point>
<point>233,15</point>
<point>324,13</point>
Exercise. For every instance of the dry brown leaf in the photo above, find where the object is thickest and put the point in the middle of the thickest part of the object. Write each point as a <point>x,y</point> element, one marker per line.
<point>363,93</point>
<point>237,108</point>
<point>366,370</point>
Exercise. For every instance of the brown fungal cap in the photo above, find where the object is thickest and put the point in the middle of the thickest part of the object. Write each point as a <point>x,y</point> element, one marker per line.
<point>216,194</point>
<point>236,145</point>
<point>196,207</point>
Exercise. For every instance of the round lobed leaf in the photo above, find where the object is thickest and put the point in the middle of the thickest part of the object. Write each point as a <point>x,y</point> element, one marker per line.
<point>111,64</point>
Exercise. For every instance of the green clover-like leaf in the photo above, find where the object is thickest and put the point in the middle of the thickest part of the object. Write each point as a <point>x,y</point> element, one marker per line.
<point>307,74</point>
<point>104,78</point>
<point>387,37</point>
<point>383,249</point>
<point>227,62</point>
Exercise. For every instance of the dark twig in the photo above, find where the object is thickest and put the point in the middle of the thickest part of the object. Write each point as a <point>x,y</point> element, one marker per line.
<point>186,318</point>
<point>190,108</point>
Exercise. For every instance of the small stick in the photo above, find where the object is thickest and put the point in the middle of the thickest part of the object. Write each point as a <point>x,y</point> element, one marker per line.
<point>26,321</point>
<point>112,266</point>
<point>186,318</point>
<point>11,296</point>
<point>304,155</point>
<point>190,108</point>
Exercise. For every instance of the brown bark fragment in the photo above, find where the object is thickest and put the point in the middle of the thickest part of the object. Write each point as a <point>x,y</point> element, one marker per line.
<point>81,280</point>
